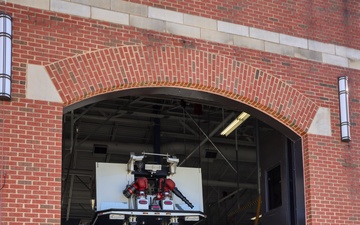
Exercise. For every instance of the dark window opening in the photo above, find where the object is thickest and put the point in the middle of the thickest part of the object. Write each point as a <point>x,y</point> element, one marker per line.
<point>274,187</point>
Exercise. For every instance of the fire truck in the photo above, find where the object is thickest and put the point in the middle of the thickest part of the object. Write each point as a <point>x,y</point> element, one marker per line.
<point>149,189</point>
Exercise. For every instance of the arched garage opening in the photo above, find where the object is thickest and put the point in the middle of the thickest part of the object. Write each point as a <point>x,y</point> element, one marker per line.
<point>186,124</point>
<point>210,86</point>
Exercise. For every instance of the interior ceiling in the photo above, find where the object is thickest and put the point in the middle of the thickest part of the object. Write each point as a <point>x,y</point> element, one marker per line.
<point>107,131</point>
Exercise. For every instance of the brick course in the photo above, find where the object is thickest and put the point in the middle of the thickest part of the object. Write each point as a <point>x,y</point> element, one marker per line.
<point>94,57</point>
<point>322,20</point>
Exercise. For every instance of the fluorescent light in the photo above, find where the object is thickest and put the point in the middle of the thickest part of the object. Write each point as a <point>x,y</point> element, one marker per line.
<point>92,202</point>
<point>234,124</point>
<point>254,218</point>
<point>344,108</point>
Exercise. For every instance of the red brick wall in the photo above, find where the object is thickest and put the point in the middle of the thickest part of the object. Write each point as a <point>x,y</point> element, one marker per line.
<point>331,21</point>
<point>32,133</point>
<point>32,149</point>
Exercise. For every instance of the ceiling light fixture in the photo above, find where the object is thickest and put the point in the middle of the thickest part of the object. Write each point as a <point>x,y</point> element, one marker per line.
<point>254,218</point>
<point>5,56</point>
<point>235,124</point>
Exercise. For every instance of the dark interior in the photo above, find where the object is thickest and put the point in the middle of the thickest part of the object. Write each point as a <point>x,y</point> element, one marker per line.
<point>178,122</point>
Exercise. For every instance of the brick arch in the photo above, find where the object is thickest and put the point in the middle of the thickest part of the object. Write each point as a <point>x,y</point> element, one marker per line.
<point>115,69</point>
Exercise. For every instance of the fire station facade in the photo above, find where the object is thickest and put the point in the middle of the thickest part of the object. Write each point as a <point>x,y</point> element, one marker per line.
<point>281,58</point>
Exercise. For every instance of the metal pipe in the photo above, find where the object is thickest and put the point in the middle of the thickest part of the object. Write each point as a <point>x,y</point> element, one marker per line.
<point>69,199</point>
<point>157,134</point>
<point>120,120</point>
<point>196,138</point>
<point>229,195</point>
<point>246,154</point>
<point>214,183</point>
<point>229,184</point>
<point>258,209</point>
<point>71,189</point>
<point>208,138</point>
<point>72,144</point>
<point>205,140</point>
<point>257,138</point>
<point>237,165</point>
